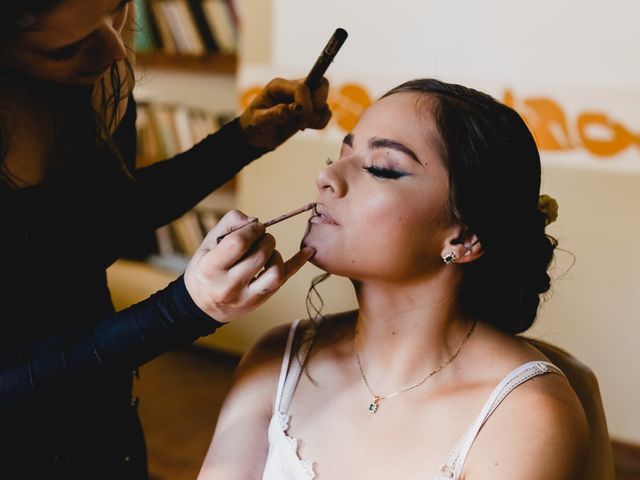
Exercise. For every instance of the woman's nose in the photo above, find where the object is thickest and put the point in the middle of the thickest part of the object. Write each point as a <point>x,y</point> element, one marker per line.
<point>332,180</point>
<point>110,44</point>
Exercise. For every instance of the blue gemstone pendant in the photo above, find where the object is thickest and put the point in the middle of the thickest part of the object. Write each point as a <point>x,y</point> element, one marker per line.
<point>373,406</point>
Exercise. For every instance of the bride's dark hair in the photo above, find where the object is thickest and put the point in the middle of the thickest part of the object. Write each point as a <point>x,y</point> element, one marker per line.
<point>494,180</point>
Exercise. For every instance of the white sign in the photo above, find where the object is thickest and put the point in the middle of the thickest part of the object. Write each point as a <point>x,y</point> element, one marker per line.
<point>570,68</point>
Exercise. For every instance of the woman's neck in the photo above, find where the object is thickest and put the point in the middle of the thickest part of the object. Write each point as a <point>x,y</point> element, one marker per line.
<point>403,332</point>
<point>27,132</point>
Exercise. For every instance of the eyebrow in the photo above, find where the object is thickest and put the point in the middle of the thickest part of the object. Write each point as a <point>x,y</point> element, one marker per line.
<point>380,143</point>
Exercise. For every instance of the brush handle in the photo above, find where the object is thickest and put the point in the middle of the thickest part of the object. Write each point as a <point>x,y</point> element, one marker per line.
<point>234,229</point>
<point>289,215</point>
<point>273,221</point>
<point>325,58</point>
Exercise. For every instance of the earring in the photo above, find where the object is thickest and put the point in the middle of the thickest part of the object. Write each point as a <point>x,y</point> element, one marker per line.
<point>328,161</point>
<point>449,258</point>
<point>467,248</point>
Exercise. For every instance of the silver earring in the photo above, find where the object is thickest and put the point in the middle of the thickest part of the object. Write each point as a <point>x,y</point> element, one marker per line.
<point>328,161</point>
<point>449,258</point>
<point>467,248</point>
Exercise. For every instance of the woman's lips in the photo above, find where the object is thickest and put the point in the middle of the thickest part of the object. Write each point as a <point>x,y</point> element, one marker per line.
<point>322,215</point>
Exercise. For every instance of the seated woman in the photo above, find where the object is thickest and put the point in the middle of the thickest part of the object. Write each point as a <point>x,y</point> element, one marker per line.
<point>432,212</point>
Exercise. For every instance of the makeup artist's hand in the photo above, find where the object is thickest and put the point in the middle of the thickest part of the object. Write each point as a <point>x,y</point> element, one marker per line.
<point>282,108</point>
<point>231,278</point>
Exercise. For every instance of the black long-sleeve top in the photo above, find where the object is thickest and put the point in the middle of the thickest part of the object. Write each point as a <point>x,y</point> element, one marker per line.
<point>66,357</point>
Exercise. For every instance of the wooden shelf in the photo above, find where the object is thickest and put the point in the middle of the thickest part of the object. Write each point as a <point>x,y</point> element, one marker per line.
<point>209,63</point>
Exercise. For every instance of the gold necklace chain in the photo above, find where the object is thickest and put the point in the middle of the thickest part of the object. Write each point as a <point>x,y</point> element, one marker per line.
<point>375,403</point>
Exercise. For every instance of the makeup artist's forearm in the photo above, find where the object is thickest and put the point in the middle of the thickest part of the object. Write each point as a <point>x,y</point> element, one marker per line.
<point>124,341</point>
<point>172,187</point>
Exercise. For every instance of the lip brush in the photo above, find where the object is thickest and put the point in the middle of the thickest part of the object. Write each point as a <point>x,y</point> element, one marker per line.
<point>273,221</point>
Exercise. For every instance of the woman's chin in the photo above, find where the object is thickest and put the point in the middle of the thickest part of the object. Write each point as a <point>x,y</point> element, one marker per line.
<point>307,242</point>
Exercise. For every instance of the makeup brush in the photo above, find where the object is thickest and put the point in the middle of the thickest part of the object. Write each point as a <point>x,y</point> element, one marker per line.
<point>273,221</point>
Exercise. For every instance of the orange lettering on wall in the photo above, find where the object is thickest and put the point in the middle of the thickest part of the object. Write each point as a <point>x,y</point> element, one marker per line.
<point>248,95</point>
<point>348,104</point>
<point>619,137</point>
<point>546,120</point>
<point>544,116</point>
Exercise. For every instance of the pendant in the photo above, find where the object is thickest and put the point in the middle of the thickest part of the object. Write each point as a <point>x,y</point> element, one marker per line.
<point>373,406</point>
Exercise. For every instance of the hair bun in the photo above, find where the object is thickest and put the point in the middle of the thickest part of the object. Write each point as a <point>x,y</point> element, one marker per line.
<point>548,206</point>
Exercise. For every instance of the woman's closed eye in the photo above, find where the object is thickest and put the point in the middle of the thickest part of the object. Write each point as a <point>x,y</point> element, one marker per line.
<point>383,172</point>
<point>66,53</point>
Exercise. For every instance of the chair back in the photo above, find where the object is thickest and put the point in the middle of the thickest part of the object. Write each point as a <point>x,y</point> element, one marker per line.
<point>600,464</point>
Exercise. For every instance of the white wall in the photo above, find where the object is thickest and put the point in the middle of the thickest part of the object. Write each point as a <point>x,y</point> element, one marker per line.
<point>582,54</point>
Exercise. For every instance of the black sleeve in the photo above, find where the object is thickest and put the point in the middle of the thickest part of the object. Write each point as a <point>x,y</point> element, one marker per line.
<point>167,320</point>
<point>169,188</point>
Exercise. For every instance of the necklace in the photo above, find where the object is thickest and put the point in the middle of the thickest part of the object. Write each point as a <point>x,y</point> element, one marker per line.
<point>375,403</point>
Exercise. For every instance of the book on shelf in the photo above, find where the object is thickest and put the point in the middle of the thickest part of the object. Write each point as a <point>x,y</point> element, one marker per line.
<point>221,22</point>
<point>165,38</point>
<point>165,130</point>
<point>146,34</point>
<point>188,233</point>
<point>203,26</point>
<point>191,27</point>
<point>165,241</point>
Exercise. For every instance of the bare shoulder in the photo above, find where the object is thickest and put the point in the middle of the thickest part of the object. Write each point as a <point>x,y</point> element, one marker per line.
<point>254,386</point>
<point>539,431</point>
<point>240,442</point>
<point>261,363</point>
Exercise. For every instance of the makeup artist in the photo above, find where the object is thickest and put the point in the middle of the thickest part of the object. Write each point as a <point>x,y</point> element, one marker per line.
<point>71,201</point>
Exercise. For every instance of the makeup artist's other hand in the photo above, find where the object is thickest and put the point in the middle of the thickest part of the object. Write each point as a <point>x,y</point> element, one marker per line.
<point>282,108</point>
<point>231,278</point>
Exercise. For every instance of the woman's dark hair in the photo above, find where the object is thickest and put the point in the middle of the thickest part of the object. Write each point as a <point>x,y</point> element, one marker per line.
<point>79,128</point>
<point>494,179</point>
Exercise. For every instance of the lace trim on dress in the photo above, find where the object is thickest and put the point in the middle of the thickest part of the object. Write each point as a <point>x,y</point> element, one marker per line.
<point>293,444</point>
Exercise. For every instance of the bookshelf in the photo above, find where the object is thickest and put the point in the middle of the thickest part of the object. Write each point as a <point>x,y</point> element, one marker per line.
<point>201,84</point>
<point>187,27</point>
<point>164,130</point>
<point>185,69</point>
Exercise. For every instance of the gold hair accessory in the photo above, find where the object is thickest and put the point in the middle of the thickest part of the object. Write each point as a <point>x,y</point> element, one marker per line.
<point>375,403</point>
<point>549,208</point>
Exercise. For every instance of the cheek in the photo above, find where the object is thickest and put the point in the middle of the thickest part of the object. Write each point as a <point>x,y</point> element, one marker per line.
<point>405,233</point>
<point>386,235</point>
<point>394,219</point>
<point>45,69</point>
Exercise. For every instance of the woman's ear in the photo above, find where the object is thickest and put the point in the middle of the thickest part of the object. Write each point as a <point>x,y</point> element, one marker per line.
<point>463,246</point>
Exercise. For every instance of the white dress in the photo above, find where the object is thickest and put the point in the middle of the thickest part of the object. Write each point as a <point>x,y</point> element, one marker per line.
<point>283,461</point>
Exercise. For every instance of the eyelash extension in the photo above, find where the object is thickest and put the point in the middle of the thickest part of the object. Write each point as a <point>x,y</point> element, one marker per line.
<point>384,172</point>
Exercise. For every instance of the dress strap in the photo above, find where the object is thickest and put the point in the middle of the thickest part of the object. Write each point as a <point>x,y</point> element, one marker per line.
<point>452,468</point>
<point>285,363</point>
<point>292,368</point>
